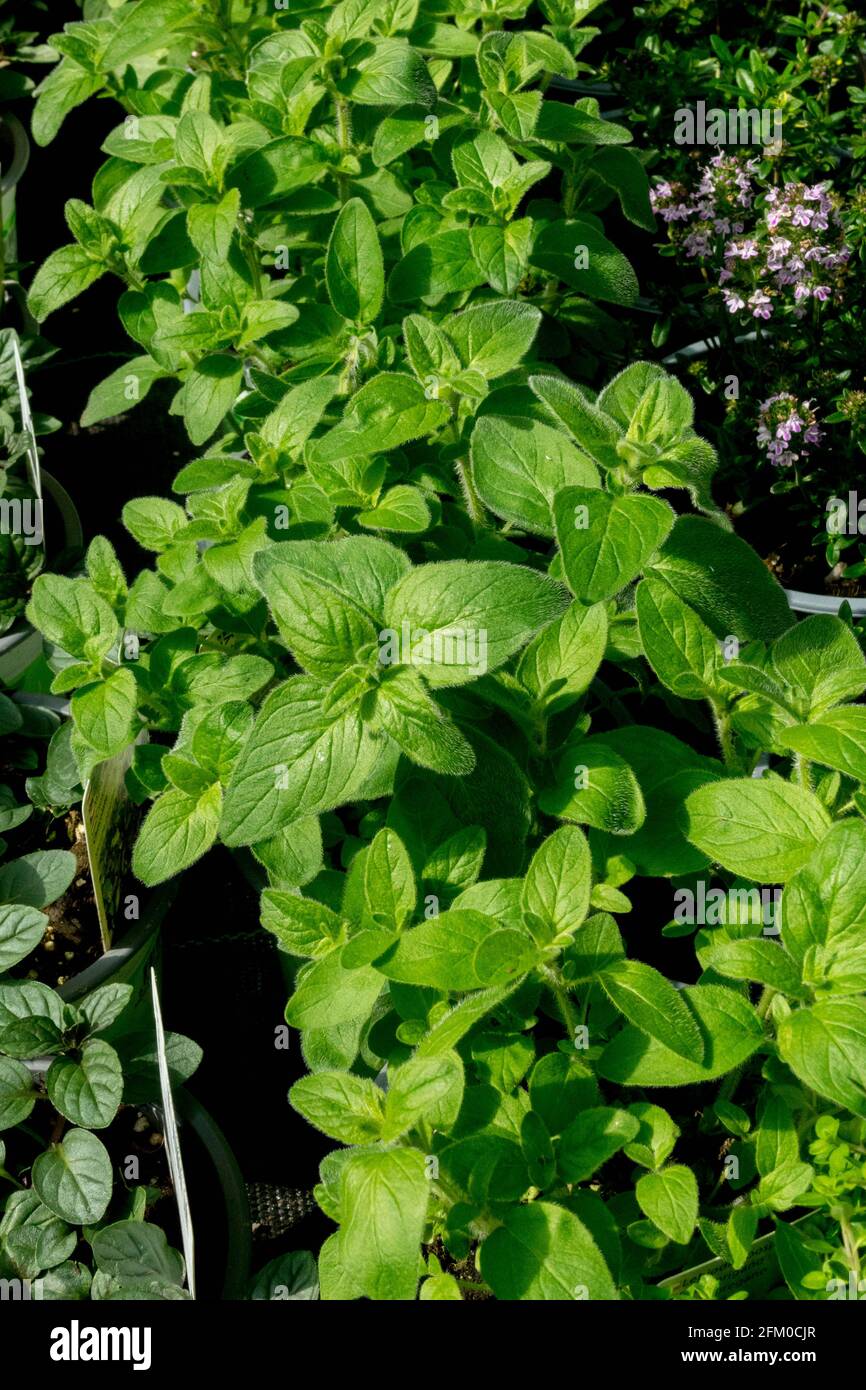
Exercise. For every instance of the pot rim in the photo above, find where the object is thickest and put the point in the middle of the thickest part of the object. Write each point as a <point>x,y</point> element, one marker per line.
<point>802,601</point>
<point>73,538</point>
<point>701,347</point>
<point>239,1243</point>
<point>584,86</point>
<point>10,177</point>
<point>145,929</point>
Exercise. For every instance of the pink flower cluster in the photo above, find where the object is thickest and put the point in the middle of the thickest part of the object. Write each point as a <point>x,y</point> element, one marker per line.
<point>783,421</point>
<point>771,250</point>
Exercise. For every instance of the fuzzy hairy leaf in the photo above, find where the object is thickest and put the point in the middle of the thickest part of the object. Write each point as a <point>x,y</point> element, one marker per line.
<point>730,1029</point>
<point>607,541</point>
<point>763,827</point>
<point>544,1252</point>
<point>463,618</point>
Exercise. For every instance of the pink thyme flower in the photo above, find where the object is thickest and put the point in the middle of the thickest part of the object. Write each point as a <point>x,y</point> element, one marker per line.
<point>761,305</point>
<point>781,418</point>
<point>733,301</point>
<point>772,248</point>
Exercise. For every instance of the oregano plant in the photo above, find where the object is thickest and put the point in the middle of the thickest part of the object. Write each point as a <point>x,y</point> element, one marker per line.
<point>278,192</point>
<point>559,808</point>
<point>508,1067</point>
<point>396,737</point>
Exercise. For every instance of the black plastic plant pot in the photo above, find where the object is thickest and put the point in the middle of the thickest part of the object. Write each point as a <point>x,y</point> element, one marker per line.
<point>127,962</point>
<point>19,648</point>
<point>219,1205</point>
<point>218,1200</point>
<point>609,100</point>
<point>21,645</point>
<point>14,157</point>
<point>14,151</point>
<point>702,348</point>
<point>583,87</point>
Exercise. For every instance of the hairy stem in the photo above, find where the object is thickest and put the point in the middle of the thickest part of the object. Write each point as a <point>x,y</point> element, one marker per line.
<point>343,118</point>
<point>474,505</point>
<point>849,1240</point>
<point>560,993</point>
<point>766,999</point>
<point>724,733</point>
<point>251,256</point>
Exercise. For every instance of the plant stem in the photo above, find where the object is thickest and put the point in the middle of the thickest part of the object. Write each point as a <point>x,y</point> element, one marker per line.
<point>549,295</point>
<point>850,1243</point>
<point>344,137</point>
<point>560,993</point>
<point>766,999</point>
<point>234,52</point>
<point>474,505</point>
<point>252,260</point>
<point>722,720</point>
<point>574,182</point>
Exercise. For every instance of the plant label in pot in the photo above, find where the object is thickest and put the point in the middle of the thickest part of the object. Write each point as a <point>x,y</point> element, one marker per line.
<point>756,1275</point>
<point>129,923</point>
<point>21,506</point>
<point>33,469</point>
<point>109,824</point>
<point>172,1140</point>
